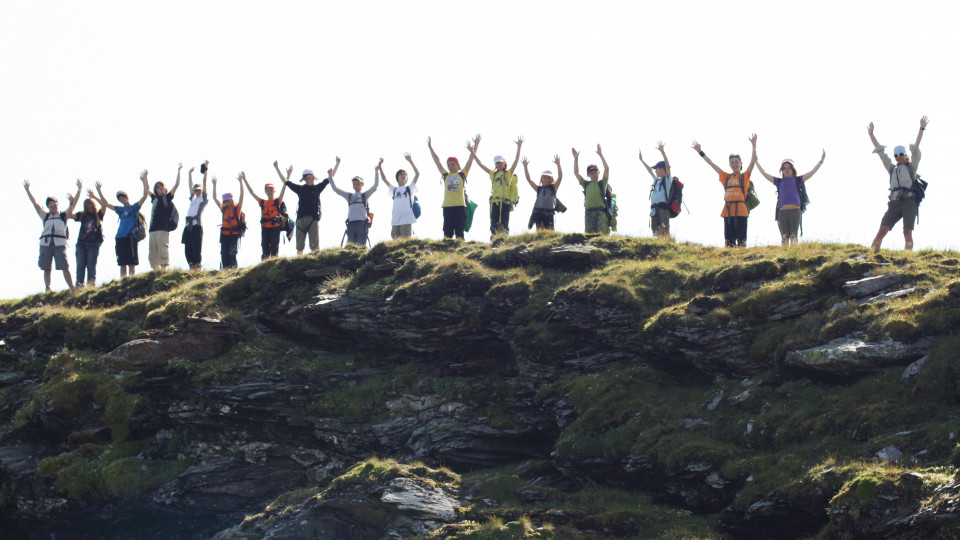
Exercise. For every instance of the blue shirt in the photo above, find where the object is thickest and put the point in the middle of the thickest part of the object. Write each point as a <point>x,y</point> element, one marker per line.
<point>128,219</point>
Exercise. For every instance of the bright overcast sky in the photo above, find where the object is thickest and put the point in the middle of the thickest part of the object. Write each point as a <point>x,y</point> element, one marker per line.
<point>101,90</point>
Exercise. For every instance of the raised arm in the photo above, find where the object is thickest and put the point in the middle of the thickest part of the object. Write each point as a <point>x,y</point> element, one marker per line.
<point>241,178</point>
<point>416,173</point>
<point>436,159</point>
<point>146,188</point>
<point>526,172</point>
<point>333,185</point>
<point>606,168</point>
<point>519,142</point>
<point>215,200</point>
<point>74,199</point>
<point>696,147</point>
<point>284,182</point>
<point>576,165</point>
<point>473,155</point>
<point>666,160</point>
<point>764,173</point>
<point>378,171</point>
<point>645,166</point>
<point>276,167</point>
<point>177,183</point>
<point>873,138</point>
<point>243,182</point>
<point>753,154</point>
<point>923,126</point>
<point>101,199</point>
<point>37,207</point>
<point>806,177</point>
<point>332,172</point>
<point>376,183</point>
<point>556,159</point>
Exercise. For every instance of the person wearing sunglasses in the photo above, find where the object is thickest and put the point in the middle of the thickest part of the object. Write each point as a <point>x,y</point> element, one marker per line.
<point>903,176</point>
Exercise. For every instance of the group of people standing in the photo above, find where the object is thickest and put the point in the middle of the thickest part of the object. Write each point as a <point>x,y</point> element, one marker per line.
<point>599,206</point>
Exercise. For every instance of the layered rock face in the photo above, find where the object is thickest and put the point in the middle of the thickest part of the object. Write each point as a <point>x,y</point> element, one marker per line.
<point>533,377</point>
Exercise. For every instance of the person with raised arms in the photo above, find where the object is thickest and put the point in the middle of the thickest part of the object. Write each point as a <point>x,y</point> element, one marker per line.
<point>270,214</point>
<point>192,237</point>
<point>503,194</point>
<point>53,240</point>
<point>736,186</point>
<point>454,184</point>
<point>232,226</point>
<point>158,248</point>
<point>791,195</point>
<point>903,178</point>
<point>308,209</point>
<point>544,208</point>
<point>596,215</point>
<point>403,218</point>
<point>659,193</point>
<point>89,239</point>
<point>358,209</point>
<point>127,243</point>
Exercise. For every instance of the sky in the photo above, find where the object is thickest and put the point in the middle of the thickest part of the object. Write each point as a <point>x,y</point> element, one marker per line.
<point>101,90</point>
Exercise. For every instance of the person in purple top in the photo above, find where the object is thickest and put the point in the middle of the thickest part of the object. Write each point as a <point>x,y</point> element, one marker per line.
<point>790,205</point>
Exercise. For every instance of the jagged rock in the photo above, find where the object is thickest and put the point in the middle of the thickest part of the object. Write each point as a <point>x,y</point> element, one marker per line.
<point>796,304</point>
<point>938,516</point>
<point>425,502</point>
<point>847,357</point>
<point>886,297</point>
<point>890,453</point>
<point>871,285</point>
<point>911,372</point>
<point>877,511</point>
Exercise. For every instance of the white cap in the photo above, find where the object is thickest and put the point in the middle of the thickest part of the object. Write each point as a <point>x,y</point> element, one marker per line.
<point>900,150</point>
<point>307,172</point>
<point>498,158</point>
<point>547,173</point>
<point>787,160</point>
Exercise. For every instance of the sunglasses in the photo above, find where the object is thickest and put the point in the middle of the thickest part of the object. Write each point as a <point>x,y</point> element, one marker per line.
<point>899,155</point>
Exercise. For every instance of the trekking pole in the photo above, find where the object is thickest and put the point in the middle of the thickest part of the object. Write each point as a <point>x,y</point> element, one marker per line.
<point>685,206</point>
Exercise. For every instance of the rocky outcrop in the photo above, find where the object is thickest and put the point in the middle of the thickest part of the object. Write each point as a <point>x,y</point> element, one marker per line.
<point>850,357</point>
<point>198,338</point>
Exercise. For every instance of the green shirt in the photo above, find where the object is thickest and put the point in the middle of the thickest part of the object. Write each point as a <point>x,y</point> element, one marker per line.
<point>593,193</point>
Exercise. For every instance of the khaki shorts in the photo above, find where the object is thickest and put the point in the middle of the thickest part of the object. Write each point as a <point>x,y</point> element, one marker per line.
<point>904,208</point>
<point>159,251</point>
<point>56,254</point>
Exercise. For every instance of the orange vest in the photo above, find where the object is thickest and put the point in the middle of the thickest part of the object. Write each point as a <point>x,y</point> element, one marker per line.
<point>734,196</point>
<point>231,222</point>
<point>269,210</point>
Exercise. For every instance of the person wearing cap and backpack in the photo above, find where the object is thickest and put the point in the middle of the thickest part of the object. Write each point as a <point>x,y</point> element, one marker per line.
<point>233,225</point>
<point>454,196</point>
<point>596,194</point>
<point>131,225</point>
<point>53,241</point>
<point>308,209</point>
<point>545,207</point>
<point>163,219</point>
<point>192,237</point>
<point>358,210</point>
<point>736,189</point>
<point>271,215</point>
<point>404,196</point>
<point>503,195</point>
<point>659,193</point>
<point>904,184</point>
<point>791,197</point>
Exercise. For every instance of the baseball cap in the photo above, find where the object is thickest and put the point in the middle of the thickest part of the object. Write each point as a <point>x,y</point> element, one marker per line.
<point>592,167</point>
<point>196,187</point>
<point>227,196</point>
<point>900,150</point>
<point>660,165</point>
<point>498,158</point>
<point>547,173</point>
<point>268,186</point>
<point>122,192</point>
<point>307,172</point>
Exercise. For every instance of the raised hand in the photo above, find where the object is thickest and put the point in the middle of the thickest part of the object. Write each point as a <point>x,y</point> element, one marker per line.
<point>556,159</point>
<point>408,157</point>
<point>660,146</point>
<point>519,141</point>
<point>696,146</point>
<point>214,180</point>
<point>90,193</point>
<point>329,173</point>
<point>380,163</point>
<point>753,139</point>
<point>525,162</point>
<point>180,166</point>
<point>143,175</point>
<point>79,184</point>
<point>870,128</point>
<point>575,153</point>
<point>923,122</point>
<point>338,161</point>
<point>429,143</point>
<point>70,198</point>
<point>191,170</point>
<point>26,185</point>
<point>476,140</point>
<point>276,165</point>
<point>99,185</point>
<point>289,171</point>
<point>599,152</point>
<point>640,154</point>
<point>241,177</point>
<point>824,156</point>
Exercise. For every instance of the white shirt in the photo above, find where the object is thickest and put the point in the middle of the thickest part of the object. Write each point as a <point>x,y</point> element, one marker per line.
<point>403,204</point>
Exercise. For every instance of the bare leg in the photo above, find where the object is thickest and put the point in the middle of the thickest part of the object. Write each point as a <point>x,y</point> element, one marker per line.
<point>908,239</point>
<point>785,240</point>
<point>879,238</point>
<point>132,270</point>
<point>46,280</point>
<point>123,270</point>
<point>69,278</point>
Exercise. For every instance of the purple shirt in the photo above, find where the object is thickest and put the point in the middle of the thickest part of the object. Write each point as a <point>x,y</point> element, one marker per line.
<point>787,191</point>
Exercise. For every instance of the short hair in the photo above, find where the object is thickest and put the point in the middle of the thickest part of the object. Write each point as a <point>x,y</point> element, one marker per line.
<point>397,176</point>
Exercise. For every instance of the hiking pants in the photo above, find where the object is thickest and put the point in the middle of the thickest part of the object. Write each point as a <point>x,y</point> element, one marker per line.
<point>499,218</point>
<point>357,232</point>
<point>158,248</point>
<point>454,220</point>
<point>788,221</point>
<point>308,225</point>
<point>193,242</point>
<point>543,219</point>
<point>87,253</point>
<point>660,221</point>
<point>229,245</point>
<point>269,242</point>
<point>596,220</point>
<point>735,231</point>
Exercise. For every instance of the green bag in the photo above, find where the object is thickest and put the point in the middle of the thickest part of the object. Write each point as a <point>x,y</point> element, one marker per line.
<point>471,209</point>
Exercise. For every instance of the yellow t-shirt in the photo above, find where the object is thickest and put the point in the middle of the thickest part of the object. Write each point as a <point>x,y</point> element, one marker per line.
<point>453,188</point>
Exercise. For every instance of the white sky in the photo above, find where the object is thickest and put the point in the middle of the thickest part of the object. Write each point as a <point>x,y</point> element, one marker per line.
<point>101,90</point>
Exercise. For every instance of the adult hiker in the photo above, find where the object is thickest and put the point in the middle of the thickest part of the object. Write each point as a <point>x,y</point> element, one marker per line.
<point>596,192</point>
<point>89,239</point>
<point>161,223</point>
<point>192,237</point>
<point>358,209</point>
<point>126,240</point>
<point>308,209</point>
<point>503,194</point>
<point>791,197</point>
<point>544,207</point>
<point>53,241</point>
<point>736,186</point>
<point>233,224</point>
<point>903,182</point>
<point>454,195</point>
<point>271,214</point>
<point>659,193</point>
<point>403,195</point>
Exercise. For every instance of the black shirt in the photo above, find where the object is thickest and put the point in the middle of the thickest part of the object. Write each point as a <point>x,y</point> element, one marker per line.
<point>91,226</point>
<point>309,198</point>
<point>162,207</point>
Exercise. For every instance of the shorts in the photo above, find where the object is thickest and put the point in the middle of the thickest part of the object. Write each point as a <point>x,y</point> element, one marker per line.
<point>126,249</point>
<point>454,221</point>
<point>57,254</point>
<point>401,231</point>
<point>903,208</point>
<point>660,221</point>
<point>158,252</point>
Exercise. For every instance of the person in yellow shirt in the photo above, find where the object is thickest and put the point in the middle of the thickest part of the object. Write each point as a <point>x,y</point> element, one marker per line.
<point>736,185</point>
<point>454,185</point>
<point>503,196</point>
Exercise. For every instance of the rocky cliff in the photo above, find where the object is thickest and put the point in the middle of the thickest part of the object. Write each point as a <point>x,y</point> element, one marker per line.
<point>543,386</point>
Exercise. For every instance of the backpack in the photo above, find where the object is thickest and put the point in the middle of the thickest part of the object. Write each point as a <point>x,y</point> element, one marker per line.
<point>140,231</point>
<point>287,225</point>
<point>675,197</point>
<point>749,196</point>
<point>804,201</point>
<point>62,216</point>
<point>414,204</point>
<point>174,218</point>
<point>363,200</point>
<point>241,222</point>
